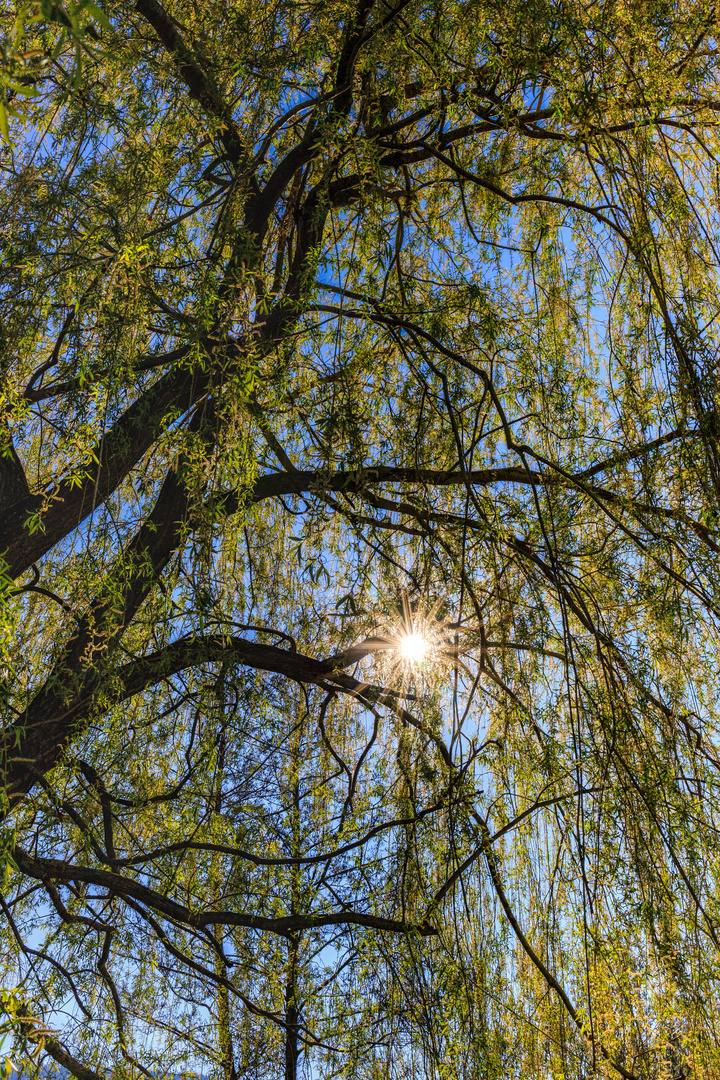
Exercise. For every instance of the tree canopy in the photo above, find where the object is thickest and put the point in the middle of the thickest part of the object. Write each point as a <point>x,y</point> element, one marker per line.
<point>359,491</point>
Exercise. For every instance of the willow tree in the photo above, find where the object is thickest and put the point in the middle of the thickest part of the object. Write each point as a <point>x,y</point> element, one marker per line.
<point>359,485</point>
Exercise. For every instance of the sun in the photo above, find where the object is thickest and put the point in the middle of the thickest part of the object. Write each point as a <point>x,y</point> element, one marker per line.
<point>413,648</point>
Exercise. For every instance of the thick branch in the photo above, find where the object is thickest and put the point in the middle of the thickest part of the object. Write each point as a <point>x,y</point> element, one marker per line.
<point>200,84</point>
<point>36,740</point>
<point>42,1037</point>
<point>57,870</point>
<point>308,481</point>
<point>83,490</point>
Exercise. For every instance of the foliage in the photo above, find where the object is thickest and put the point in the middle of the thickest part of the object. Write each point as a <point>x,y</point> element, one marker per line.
<point>324,324</point>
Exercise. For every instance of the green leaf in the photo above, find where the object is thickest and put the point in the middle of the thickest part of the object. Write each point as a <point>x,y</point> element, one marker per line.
<point>98,15</point>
